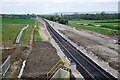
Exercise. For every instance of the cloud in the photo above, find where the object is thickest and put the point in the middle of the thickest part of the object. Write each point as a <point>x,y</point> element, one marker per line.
<point>59,1</point>
<point>51,6</point>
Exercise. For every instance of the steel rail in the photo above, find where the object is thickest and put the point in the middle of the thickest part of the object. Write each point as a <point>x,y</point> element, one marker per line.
<point>55,35</point>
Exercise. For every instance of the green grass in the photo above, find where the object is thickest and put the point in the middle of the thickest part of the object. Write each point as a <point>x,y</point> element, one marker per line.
<point>11,28</point>
<point>26,35</point>
<point>105,28</point>
<point>93,21</point>
<point>0,20</point>
<point>18,21</point>
<point>100,30</point>
<point>0,31</point>
<point>10,32</point>
<point>108,24</point>
<point>83,21</point>
<point>37,35</point>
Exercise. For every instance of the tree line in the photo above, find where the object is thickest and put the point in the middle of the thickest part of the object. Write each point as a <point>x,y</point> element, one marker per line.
<point>56,18</point>
<point>101,16</point>
<point>63,19</point>
<point>19,16</point>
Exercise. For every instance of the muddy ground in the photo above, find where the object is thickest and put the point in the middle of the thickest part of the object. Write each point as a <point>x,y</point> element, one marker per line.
<point>17,54</point>
<point>103,52</point>
<point>41,59</point>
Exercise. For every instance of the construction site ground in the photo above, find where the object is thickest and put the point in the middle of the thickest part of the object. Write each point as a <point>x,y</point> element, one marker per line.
<point>40,56</point>
<point>41,59</point>
<point>99,48</point>
<point>18,54</point>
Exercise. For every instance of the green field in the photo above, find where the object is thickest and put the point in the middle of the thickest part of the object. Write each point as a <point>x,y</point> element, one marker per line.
<point>0,20</point>
<point>10,32</point>
<point>17,21</point>
<point>107,27</point>
<point>93,21</point>
<point>11,28</point>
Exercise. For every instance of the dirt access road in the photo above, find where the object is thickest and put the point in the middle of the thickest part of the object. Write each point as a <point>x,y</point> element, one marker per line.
<point>43,56</point>
<point>41,59</point>
<point>101,49</point>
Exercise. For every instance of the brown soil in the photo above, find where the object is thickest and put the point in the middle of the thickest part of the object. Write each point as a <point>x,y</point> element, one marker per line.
<point>14,70</point>
<point>115,65</point>
<point>17,55</point>
<point>15,50</point>
<point>91,45</point>
<point>42,31</point>
<point>43,34</point>
<point>41,59</point>
<point>31,37</point>
<point>6,53</point>
<point>76,39</point>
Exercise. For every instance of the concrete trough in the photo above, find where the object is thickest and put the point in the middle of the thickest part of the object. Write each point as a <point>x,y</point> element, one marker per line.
<point>61,73</point>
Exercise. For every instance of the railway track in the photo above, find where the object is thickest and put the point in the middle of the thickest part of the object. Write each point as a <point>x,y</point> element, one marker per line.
<point>88,69</point>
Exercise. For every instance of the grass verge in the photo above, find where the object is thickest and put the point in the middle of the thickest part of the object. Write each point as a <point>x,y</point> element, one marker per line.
<point>37,35</point>
<point>26,35</point>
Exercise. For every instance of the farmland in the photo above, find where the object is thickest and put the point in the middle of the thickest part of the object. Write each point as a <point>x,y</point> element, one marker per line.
<point>105,27</point>
<point>17,21</point>
<point>11,28</point>
<point>10,32</point>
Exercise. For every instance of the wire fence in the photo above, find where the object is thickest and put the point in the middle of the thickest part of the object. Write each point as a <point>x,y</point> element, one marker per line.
<point>6,65</point>
<point>0,73</point>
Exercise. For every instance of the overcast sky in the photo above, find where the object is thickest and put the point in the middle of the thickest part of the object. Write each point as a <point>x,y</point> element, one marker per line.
<point>53,6</point>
